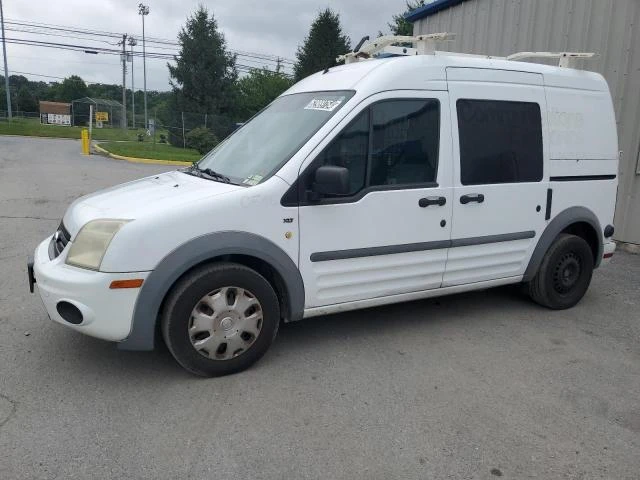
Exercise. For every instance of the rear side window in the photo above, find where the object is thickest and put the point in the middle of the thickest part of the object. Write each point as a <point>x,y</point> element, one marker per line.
<point>500,142</point>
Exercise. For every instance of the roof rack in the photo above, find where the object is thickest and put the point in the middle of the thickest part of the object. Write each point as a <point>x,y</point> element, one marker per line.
<point>384,46</point>
<point>567,59</point>
<point>399,45</point>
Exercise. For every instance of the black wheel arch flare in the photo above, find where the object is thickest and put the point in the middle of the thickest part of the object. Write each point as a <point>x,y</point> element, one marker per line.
<point>560,223</point>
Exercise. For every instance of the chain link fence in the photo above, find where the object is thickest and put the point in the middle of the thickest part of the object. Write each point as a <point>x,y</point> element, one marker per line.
<point>200,131</point>
<point>4,114</point>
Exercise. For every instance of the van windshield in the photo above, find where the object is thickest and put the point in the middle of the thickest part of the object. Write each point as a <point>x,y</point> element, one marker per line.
<point>260,147</point>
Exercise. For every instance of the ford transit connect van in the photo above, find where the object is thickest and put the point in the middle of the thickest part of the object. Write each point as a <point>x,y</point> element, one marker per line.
<point>379,181</point>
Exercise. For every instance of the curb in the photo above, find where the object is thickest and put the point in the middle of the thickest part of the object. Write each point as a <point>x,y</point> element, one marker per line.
<point>37,136</point>
<point>150,161</point>
<point>632,248</point>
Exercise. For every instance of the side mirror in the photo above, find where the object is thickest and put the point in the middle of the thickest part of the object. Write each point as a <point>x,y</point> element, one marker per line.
<point>331,180</point>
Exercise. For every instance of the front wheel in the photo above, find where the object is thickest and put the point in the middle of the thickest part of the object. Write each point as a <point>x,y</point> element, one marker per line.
<point>220,319</point>
<point>564,274</point>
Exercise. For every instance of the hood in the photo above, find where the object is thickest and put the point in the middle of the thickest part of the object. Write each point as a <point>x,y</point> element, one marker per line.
<point>142,197</point>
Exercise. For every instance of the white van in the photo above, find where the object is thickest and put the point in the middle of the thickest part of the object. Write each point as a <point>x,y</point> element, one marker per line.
<point>380,181</point>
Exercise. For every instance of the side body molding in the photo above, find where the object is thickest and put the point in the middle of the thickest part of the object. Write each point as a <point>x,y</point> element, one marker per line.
<point>194,252</point>
<point>559,223</point>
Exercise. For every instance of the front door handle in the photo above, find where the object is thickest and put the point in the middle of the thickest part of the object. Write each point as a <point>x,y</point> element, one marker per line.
<point>425,202</point>
<point>472,197</point>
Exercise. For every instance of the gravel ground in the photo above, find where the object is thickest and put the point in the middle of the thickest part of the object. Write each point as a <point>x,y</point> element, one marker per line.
<point>476,385</point>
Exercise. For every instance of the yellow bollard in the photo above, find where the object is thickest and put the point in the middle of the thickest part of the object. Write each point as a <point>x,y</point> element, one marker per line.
<point>85,141</point>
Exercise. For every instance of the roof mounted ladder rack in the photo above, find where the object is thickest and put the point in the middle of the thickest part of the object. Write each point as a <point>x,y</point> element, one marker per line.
<point>566,59</point>
<point>394,45</point>
<point>420,45</point>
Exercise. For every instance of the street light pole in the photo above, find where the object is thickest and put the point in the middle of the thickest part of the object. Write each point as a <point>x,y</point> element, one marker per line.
<point>123,122</point>
<point>133,42</point>
<point>6,69</point>
<point>143,10</point>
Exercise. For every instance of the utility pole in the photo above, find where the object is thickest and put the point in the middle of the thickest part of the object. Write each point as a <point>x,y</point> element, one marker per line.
<point>123,57</point>
<point>6,69</point>
<point>133,42</point>
<point>143,11</point>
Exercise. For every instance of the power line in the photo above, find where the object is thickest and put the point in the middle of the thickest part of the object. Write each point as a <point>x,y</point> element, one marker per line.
<point>63,28</point>
<point>75,47</point>
<point>109,51</point>
<point>155,40</point>
<point>36,74</point>
<point>61,35</point>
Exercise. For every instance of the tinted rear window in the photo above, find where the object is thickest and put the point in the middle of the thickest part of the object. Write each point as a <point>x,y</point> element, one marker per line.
<point>500,142</point>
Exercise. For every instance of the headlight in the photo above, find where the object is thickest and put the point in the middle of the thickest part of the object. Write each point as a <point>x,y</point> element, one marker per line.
<point>92,242</point>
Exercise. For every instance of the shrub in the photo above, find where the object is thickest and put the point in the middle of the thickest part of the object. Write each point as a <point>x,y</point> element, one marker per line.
<point>201,139</point>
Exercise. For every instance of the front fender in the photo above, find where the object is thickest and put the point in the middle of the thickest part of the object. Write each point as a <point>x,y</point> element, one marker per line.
<point>197,251</point>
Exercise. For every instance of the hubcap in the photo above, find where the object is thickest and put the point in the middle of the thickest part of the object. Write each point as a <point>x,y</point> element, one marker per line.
<point>225,323</point>
<point>567,273</point>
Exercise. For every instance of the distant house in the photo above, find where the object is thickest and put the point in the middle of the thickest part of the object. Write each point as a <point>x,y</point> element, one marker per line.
<point>55,113</point>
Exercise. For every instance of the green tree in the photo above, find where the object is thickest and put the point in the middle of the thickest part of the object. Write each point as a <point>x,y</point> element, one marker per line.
<point>325,42</point>
<point>71,88</point>
<point>204,73</point>
<point>259,88</point>
<point>25,101</point>
<point>400,26</point>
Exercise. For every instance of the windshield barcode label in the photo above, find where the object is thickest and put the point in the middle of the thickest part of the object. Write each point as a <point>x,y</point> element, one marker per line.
<point>324,105</point>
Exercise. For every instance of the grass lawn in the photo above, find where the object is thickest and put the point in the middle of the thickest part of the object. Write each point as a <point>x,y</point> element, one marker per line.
<point>146,149</point>
<point>33,128</point>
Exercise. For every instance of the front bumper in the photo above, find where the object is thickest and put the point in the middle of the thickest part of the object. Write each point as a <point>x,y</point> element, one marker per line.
<point>106,313</point>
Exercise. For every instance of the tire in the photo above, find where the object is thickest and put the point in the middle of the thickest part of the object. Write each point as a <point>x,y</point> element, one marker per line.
<point>220,319</point>
<point>564,274</point>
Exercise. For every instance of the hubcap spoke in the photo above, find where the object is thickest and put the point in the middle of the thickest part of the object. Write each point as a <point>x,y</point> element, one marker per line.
<point>211,344</point>
<point>251,324</point>
<point>217,301</point>
<point>235,343</point>
<point>244,301</point>
<point>200,323</point>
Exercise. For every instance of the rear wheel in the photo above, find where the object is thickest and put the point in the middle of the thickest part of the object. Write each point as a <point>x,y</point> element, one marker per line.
<point>564,274</point>
<point>220,319</point>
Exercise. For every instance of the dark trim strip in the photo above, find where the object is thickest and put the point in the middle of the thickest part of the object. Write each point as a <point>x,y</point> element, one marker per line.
<point>581,178</point>
<point>505,237</point>
<point>417,247</point>
<point>547,213</point>
<point>375,251</point>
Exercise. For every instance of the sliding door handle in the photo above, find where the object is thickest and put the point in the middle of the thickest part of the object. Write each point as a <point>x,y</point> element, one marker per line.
<point>472,197</point>
<point>427,201</point>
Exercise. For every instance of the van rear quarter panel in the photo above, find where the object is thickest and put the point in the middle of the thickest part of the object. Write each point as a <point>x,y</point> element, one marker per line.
<point>583,142</point>
<point>582,126</point>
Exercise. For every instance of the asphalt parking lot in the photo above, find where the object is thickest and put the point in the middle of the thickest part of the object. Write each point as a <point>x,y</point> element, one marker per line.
<point>471,386</point>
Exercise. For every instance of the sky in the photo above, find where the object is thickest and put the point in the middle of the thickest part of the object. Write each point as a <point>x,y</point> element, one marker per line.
<point>273,27</point>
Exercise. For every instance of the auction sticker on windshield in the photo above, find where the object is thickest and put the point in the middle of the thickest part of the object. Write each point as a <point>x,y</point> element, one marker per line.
<point>324,104</point>
<point>252,180</point>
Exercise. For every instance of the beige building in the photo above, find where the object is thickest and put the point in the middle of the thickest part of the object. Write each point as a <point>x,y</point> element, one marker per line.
<point>610,28</point>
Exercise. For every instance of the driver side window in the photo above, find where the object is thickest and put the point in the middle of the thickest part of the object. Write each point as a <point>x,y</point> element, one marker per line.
<point>350,149</point>
<point>390,144</point>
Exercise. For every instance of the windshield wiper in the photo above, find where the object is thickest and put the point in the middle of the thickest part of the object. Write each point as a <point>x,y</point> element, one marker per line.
<point>208,172</point>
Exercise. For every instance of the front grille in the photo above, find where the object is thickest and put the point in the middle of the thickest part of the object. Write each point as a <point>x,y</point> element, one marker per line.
<point>59,241</point>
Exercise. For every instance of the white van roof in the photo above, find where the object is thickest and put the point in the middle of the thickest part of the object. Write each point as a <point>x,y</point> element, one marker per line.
<point>417,72</point>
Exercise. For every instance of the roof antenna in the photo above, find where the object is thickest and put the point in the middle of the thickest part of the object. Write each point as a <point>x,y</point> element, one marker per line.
<point>355,50</point>
<point>360,43</point>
